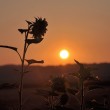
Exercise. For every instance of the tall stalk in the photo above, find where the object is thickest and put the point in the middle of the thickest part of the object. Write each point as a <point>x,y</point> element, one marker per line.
<point>83,75</point>
<point>37,29</point>
<point>22,74</point>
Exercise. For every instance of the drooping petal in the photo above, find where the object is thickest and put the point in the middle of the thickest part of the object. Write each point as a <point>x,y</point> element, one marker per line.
<point>29,23</point>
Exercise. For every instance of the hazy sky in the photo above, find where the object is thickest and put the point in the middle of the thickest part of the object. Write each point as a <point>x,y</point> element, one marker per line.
<point>81,26</point>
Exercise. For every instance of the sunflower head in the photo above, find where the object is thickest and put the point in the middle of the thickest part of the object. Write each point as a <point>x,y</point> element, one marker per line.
<point>38,28</point>
<point>58,84</point>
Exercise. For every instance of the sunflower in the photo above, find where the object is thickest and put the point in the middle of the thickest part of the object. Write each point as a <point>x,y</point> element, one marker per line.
<point>38,28</point>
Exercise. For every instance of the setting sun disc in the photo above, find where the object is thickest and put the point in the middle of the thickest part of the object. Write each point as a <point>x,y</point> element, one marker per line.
<point>64,54</point>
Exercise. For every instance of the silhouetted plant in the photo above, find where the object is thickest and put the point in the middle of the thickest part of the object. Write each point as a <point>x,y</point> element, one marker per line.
<point>58,84</point>
<point>37,29</point>
<point>83,75</point>
<point>57,96</point>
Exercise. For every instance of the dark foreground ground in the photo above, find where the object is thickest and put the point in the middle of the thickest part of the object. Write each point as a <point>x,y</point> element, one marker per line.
<point>32,101</point>
<point>39,76</point>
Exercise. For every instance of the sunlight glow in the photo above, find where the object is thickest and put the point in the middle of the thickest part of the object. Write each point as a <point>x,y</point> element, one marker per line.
<point>64,54</point>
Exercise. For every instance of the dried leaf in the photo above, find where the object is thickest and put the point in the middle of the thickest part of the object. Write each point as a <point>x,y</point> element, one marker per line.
<point>22,30</point>
<point>31,61</point>
<point>80,65</point>
<point>85,73</point>
<point>28,22</point>
<point>35,41</point>
<point>10,47</point>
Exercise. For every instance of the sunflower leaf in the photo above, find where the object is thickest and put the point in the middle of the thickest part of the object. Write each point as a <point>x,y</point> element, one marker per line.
<point>80,65</point>
<point>35,41</point>
<point>22,30</point>
<point>31,61</point>
<point>9,47</point>
<point>28,22</point>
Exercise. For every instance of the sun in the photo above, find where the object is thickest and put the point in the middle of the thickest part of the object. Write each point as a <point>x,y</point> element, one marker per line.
<point>64,54</point>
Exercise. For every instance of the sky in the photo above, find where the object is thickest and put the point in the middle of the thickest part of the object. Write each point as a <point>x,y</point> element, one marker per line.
<point>80,26</point>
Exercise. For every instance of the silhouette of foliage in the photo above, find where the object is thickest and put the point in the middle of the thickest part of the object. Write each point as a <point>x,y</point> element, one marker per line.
<point>37,29</point>
<point>31,61</point>
<point>83,75</point>
<point>9,47</point>
<point>34,41</point>
<point>22,30</point>
<point>56,97</point>
<point>29,23</point>
<point>58,84</point>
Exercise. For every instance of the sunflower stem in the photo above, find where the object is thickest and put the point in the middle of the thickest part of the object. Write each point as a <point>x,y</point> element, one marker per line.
<point>22,74</point>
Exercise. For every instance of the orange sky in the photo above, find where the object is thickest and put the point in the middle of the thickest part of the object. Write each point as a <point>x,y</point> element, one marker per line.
<point>81,26</point>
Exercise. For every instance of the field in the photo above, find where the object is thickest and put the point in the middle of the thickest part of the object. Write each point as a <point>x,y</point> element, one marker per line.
<point>95,94</point>
<point>32,101</point>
